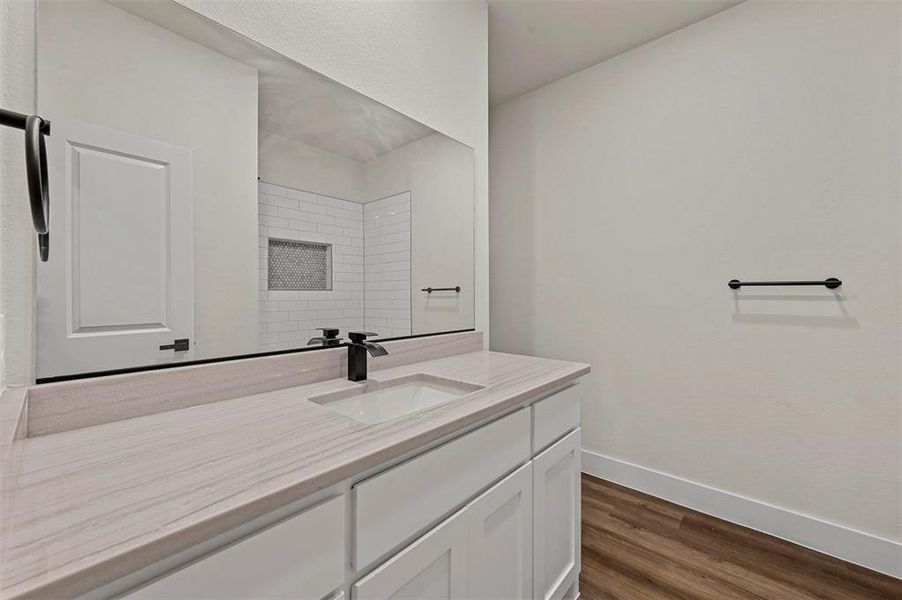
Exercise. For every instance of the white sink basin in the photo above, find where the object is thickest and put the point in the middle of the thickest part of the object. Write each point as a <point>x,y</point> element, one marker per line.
<point>377,401</point>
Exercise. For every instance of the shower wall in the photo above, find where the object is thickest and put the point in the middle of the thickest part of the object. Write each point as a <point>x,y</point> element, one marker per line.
<point>386,226</point>
<point>288,318</point>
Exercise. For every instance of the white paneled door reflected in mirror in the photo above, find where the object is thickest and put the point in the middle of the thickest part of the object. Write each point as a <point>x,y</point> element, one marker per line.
<point>209,190</point>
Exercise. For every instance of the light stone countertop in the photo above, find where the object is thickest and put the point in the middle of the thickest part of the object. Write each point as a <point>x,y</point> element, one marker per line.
<point>84,507</point>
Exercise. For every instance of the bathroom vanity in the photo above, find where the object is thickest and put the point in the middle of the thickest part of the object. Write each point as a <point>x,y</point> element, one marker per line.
<point>218,209</point>
<point>257,479</point>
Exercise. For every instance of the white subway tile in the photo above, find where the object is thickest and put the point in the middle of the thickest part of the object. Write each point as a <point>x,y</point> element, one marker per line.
<point>290,213</point>
<point>301,225</point>
<point>294,305</point>
<point>273,221</point>
<point>321,219</point>
<point>329,229</point>
<point>278,202</point>
<point>301,195</point>
<point>281,326</point>
<point>269,189</point>
<point>273,316</point>
<point>290,317</point>
<point>298,337</point>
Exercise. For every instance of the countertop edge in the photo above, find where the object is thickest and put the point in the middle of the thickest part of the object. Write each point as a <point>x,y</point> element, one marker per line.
<point>13,418</point>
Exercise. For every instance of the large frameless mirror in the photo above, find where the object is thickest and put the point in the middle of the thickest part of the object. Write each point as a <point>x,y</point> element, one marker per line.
<point>212,198</point>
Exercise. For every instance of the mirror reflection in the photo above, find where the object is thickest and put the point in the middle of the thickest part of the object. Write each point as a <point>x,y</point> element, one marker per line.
<point>212,198</point>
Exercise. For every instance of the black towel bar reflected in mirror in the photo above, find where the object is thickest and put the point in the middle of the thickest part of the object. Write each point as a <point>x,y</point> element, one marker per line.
<point>831,283</point>
<point>35,172</point>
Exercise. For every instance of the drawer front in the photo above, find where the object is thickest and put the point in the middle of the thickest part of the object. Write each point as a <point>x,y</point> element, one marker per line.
<point>301,557</point>
<point>393,506</point>
<point>554,416</point>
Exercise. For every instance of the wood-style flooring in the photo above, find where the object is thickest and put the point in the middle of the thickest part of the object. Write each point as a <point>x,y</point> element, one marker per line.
<point>638,547</point>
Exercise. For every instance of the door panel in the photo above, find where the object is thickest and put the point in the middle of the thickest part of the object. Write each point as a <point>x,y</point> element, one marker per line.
<point>500,551</point>
<point>556,518</point>
<point>432,568</point>
<point>119,282</point>
<point>119,272</point>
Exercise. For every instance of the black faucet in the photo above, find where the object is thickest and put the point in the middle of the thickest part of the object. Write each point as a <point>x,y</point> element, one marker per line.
<point>358,348</point>
<point>329,338</point>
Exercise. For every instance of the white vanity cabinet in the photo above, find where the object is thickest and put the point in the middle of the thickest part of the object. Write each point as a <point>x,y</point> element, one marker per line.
<point>556,533</point>
<point>554,416</point>
<point>499,551</point>
<point>302,557</point>
<point>491,514</point>
<point>434,567</point>
<point>394,505</point>
<point>483,551</point>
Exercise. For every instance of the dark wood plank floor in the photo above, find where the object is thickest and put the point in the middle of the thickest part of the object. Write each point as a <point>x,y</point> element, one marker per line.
<point>637,547</point>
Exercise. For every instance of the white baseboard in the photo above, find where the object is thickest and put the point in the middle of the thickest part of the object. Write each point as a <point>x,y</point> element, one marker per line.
<point>856,547</point>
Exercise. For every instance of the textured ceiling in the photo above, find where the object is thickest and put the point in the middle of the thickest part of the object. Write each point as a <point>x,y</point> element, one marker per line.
<point>294,101</point>
<point>305,106</point>
<point>535,42</point>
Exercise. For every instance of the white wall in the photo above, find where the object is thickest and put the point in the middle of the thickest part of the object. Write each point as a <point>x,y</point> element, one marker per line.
<point>386,254</point>
<point>290,163</point>
<point>289,318</point>
<point>762,143</point>
<point>428,60</point>
<point>100,64</point>
<point>438,173</point>
<point>17,238</point>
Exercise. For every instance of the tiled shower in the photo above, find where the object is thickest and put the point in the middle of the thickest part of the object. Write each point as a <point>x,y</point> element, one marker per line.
<point>313,253</point>
<point>386,247</point>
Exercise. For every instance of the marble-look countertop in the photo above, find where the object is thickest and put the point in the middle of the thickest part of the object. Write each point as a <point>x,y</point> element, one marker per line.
<point>81,508</point>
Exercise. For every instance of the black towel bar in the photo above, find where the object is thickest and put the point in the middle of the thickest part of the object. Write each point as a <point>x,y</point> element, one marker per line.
<point>429,290</point>
<point>831,283</point>
<point>35,172</point>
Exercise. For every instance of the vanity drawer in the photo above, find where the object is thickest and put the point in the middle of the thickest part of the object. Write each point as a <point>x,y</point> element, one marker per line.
<point>554,416</point>
<point>393,506</point>
<point>300,558</point>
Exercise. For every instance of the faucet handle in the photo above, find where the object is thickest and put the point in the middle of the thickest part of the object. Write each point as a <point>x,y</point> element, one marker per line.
<point>328,332</point>
<point>329,338</point>
<point>359,336</point>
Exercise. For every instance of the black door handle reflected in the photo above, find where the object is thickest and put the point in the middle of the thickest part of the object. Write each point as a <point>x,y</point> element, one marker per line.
<point>179,345</point>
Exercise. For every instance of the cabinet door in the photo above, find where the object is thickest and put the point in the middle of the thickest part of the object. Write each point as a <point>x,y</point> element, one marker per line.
<point>500,548</point>
<point>433,567</point>
<point>556,523</point>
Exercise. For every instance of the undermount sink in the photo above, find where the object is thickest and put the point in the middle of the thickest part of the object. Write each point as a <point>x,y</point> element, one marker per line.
<point>377,401</point>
